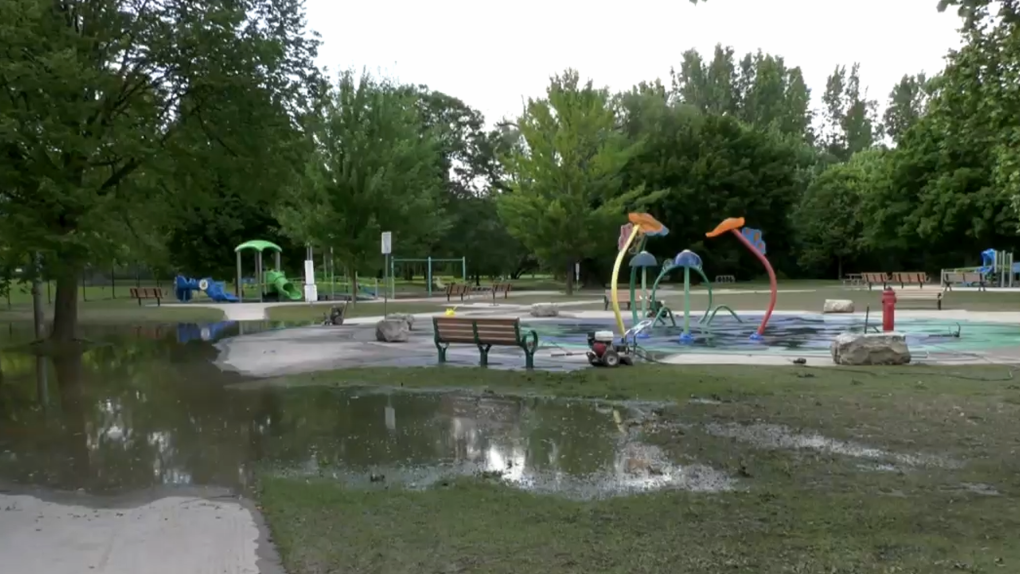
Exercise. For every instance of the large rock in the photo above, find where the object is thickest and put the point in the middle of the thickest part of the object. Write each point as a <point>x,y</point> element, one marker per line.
<point>838,306</point>
<point>406,317</point>
<point>870,349</point>
<point>392,331</point>
<point>545,310</point>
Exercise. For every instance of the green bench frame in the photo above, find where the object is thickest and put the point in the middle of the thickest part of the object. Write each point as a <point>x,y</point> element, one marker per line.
<point>528,342</point>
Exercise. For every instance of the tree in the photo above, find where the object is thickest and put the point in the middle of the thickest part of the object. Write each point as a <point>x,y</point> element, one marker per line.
<point>96,93</point>
<point>908,101</point>
<point>828,219</point>
<point>850,118</point>
<point>376,167</point>
<point>565,195</point>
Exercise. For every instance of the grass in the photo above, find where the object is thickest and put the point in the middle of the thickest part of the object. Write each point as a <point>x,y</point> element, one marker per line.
<point>796,511</point>
<point>120,311</point>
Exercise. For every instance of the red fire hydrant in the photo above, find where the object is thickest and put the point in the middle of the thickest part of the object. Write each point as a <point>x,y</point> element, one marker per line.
<point>888,310</point>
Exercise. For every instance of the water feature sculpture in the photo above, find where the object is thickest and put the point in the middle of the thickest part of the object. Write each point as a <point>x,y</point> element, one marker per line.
<point>751,238</point>
<point>646,226</point>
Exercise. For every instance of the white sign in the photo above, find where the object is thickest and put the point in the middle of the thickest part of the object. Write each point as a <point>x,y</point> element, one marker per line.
<point>311,293</point>
<point>577,271</point>
<point>309,272</point>
<point>387,242</point>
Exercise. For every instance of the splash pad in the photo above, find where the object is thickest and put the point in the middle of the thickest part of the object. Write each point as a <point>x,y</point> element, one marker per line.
<point>788,334</point>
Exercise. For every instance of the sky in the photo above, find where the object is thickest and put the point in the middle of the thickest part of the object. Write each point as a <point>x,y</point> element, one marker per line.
<point>494,54</point>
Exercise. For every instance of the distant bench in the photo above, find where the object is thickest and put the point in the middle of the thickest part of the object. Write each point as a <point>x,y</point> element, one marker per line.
<point>963,278</point>
<point>920,295</point>
<point>146,293</point>
<point>910,278</point>
<point>485,333</point>
<point>622,297</point>
<point>725,279</point>
<point>463,289</point>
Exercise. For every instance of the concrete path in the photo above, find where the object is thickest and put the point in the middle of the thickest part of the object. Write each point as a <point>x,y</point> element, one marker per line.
<point>174,535</point>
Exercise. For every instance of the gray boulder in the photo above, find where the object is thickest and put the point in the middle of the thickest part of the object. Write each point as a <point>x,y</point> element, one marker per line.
<point>838,306</point>
<point>406,317</point>
<point>392,331</point>
<point>545,310</point>
<point>870,349</point>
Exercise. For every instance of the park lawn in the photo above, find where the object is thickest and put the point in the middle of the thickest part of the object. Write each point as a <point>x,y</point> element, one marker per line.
<point>120,311</point>
<point>793,511</point>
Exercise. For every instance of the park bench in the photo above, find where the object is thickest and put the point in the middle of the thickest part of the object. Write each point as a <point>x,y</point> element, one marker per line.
<point>622,297</point>
<point>905,278</point>
<point>146,293</point>
<point>911,295</point>
<point>485,333</point>
<point>875,279</point>
<point>503,288</point>
<point>852,280</point>
<point>725,279</point>
<point>963,278</point>
<point>457,290</point>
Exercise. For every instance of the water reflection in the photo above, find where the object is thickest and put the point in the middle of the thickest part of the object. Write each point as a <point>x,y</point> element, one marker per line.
<point>144,410</point>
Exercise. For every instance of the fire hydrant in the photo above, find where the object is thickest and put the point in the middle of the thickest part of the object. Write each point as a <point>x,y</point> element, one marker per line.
<point>888,310</point>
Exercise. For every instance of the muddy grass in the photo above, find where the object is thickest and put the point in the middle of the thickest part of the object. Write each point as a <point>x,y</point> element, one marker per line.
<point>836,470</point>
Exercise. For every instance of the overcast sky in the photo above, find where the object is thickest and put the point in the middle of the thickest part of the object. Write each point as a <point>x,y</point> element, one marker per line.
<point>494,53</point>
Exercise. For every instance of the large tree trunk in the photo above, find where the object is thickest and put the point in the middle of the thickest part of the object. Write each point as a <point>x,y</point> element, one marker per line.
<point>570,277</point>
<point>65,305</point>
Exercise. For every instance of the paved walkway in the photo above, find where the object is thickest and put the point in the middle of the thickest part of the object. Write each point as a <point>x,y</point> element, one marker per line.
<point>172,535</point>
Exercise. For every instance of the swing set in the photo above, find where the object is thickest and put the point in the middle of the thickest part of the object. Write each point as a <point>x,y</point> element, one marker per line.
<point>428,263</point>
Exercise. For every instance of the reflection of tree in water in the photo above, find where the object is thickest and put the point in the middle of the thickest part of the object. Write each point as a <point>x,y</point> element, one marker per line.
<point>135,413</point>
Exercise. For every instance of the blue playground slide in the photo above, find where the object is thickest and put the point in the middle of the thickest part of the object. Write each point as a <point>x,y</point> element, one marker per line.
<point>194,332</point>
<point>185,287</point>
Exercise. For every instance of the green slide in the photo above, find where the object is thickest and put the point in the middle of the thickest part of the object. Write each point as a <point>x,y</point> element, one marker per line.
<point>278,282</point>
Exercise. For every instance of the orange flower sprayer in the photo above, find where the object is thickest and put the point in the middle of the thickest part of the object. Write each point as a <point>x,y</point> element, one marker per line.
<point>751,238</point>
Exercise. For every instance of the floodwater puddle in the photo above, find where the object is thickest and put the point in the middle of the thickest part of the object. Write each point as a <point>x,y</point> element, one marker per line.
<point>145,409</point>
<point>578,449</point>
<point>770,436</point>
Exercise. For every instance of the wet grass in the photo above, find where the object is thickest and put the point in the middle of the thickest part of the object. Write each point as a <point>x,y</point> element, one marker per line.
<point>798,510</point>
<point>119,311</point>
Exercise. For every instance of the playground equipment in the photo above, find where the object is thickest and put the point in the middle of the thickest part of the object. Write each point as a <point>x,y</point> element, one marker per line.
<point>687,260</point>
<point>271,282</point>
<point>428,261</point>
<point>185,287</point>
<point>997,269</point>
<point>751,238</point>
<point>647,226</point>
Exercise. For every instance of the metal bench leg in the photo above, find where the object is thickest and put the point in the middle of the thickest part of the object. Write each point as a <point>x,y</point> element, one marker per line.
<point>529,359</point>
<point>483,351</point>
<point>441,347</point>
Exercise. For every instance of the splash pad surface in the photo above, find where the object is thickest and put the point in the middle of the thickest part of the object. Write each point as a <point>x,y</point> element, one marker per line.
<point>802,334</point>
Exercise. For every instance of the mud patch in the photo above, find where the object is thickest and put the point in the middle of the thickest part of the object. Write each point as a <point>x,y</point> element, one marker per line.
<point>771,436</point>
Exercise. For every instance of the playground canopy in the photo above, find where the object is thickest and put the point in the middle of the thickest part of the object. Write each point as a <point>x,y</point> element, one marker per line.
<point>259,245</point>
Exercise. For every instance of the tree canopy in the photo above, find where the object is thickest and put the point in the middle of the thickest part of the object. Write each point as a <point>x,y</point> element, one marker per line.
<point>165,133</point>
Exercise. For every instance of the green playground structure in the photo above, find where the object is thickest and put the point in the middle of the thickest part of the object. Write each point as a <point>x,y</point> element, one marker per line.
<point>276,282</point>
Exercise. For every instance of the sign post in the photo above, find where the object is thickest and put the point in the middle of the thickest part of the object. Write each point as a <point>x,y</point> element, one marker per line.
<point>387,248</point>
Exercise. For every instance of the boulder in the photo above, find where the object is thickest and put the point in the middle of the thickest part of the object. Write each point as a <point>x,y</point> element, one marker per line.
<point>870,349</point>
<point>392,331</point>
<point>545,310</point>
<point>838,306</point>
<point>406,317</point>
